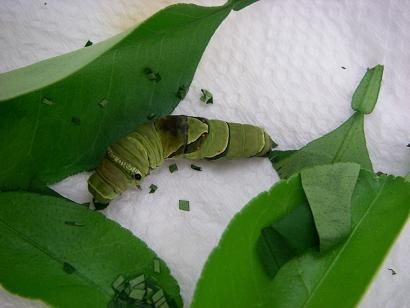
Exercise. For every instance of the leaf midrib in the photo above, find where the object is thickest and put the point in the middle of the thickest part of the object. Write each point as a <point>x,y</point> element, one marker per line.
<point>332,264</point>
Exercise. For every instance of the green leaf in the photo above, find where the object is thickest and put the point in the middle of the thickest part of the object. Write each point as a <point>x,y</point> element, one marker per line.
<point>240,4</point>
<point>43,257</point>
<point>347,143</point>
<point>329,190</point>
<point>365,97</point>
<point>234,277</point>
<point>59,115</point>
<point>286,238</point>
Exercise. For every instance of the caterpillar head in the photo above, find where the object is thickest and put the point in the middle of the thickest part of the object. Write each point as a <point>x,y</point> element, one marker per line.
<point>109,180</point>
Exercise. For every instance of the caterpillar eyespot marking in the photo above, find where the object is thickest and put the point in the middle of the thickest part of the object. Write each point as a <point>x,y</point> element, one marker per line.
<point>130,160</point>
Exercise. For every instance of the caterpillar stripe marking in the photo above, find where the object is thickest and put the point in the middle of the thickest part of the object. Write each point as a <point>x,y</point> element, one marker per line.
<point>130,160</point>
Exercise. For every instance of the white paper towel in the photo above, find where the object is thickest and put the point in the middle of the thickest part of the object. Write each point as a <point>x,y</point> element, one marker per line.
<point>276,64</point>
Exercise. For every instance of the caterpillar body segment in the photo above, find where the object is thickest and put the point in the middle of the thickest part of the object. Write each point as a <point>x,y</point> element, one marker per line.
<point>128,161</point>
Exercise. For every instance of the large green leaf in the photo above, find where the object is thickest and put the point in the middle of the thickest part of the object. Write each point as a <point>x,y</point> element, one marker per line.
<point>42,235</point>
<point>234,277</point>
<point>59,115</point>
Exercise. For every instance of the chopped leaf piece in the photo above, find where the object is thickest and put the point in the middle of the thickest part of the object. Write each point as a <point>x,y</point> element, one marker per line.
<point>182,91</point>
<point>329,190</point>
<point>151,116</point>
<point>195,167</point>
<point>207,97</point>
<point>365,97</point>
<point>74,223</point>
<point>343,67</point>
<point>153,188</point>
<point>151,75</point>
<point>89,43</point>
<point>393,272</point>
<point>68,268</point>
<point>161,301</point>
<point>103,103</point>
<point>172,168</point>
<point>408,145</point>
<point>137,294</point>
<point>184,205</point>
<point>164,305</point>
<point>157,266</point>
<point>76,120</point>
<point>46,101</point>
<point>157,296</point>
<point>118,283</point>
<point>136,281</point>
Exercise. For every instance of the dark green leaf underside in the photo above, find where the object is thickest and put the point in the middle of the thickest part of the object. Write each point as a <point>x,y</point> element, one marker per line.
<point>329,190</point>
<point>42,256</point>
<point>234,277</point>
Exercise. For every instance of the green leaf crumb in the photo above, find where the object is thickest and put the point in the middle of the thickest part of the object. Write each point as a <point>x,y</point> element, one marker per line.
<point>207,97</point>
<point>195,167</point>
<point>157,266</point>
<point>103,103</point>
<point>153,188</point>
<point>182,91</point>
<point>172,168</point>
<point>88,43</point>
<point>118,284</point>
<point>76,120</point>
<point>151,116</point>
<point>184,205</point>
<point>73,223</point>
<point>47,101</point>
<point>151,75</point>
<point>68,268</point>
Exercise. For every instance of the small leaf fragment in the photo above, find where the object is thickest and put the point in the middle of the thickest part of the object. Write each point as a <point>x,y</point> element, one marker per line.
<point>74,223</point>
<point>151,75</point>
<point>182,92</point>
<point>158,295</point>
<point>393,272</point>
<point>103,103</point>
<point>88,43</point>
<point>195,167</point>
<point>157,266</point>
<point>153,188</point>
<point>151,116</point>
<point>136,281</point>
<point>47,101</point>
<point>76,120</point>
<point>184,205</point>
<point>118,284</point>
<point>365,96</point>
<point>137,294</point>
<point>207,97</point>
<point>68,268</point>
<point>172,168</point>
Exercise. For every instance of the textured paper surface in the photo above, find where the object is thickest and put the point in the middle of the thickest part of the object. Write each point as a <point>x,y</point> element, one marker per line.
<point>277,64</point>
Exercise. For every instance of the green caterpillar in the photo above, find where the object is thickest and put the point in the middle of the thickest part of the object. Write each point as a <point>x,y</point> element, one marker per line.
<point>129,160</point>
